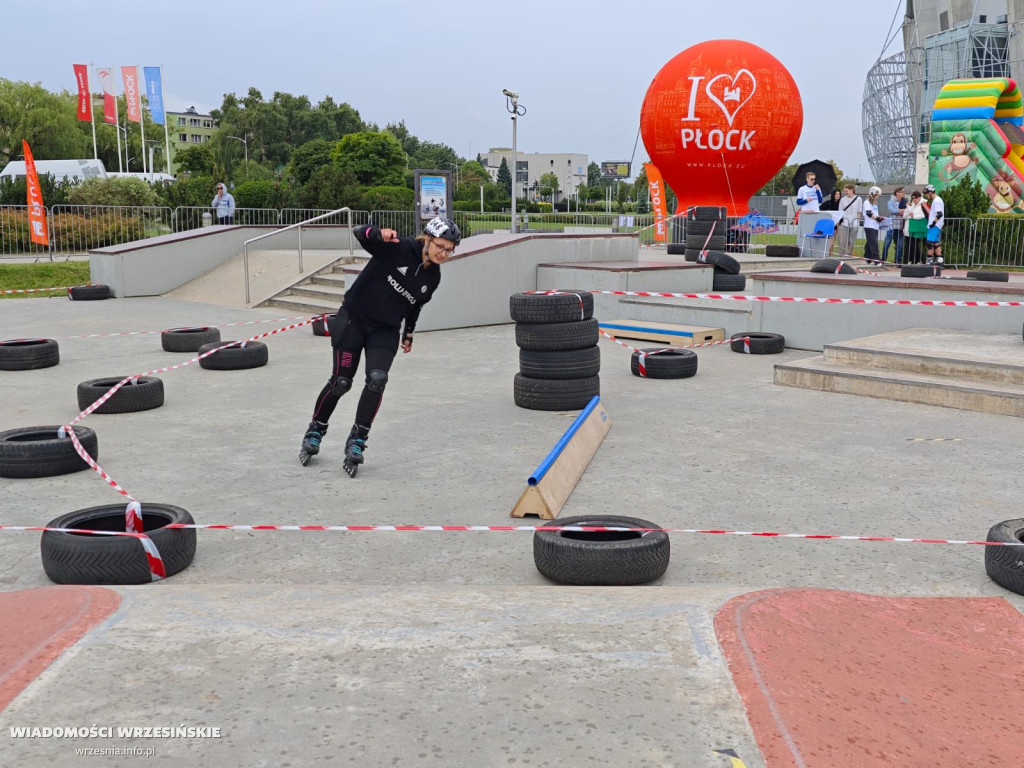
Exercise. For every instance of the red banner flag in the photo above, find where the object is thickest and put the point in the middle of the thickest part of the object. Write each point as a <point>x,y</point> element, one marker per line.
<point>84,102</point>
<point>36,211</point>
<point>658,201</point>
<point>106,78</point>
<point>132,95</point>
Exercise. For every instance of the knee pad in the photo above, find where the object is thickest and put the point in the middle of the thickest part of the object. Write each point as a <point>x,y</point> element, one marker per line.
<point>339,385</point>
<point>376,380</point>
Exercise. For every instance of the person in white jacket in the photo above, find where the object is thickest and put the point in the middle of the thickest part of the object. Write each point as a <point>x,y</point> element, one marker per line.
<point>851,208</point>
<point>808,197</point>
<point>224,204</point>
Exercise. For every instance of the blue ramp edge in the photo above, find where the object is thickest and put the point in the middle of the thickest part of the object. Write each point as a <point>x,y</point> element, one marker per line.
<point>544,466</point>
<point>664,331</point>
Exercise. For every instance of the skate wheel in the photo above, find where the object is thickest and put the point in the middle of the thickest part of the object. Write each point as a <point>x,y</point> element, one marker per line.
<point>304,458</point>
<point>351,468</point>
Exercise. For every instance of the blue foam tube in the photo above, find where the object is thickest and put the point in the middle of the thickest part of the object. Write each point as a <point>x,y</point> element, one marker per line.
<point>544,466</point>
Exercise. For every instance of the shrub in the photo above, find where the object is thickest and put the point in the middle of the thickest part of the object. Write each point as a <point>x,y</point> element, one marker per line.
<point>387,199</point>
<point>121,190</point>
<point>262,194</point>
<point>55,192</point>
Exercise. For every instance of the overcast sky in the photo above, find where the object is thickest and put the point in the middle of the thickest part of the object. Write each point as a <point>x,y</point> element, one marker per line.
<point>581,68</point>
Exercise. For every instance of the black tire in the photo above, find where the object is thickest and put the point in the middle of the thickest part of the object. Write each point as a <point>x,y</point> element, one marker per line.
<point>705,228</point>
<point>676,249</point>
<point>188,339</point>
<point>992,277</point>
<point>692,254</point>
<point>831,267</point>
<point>1005,565</point>
<point>782,251</point>
<point>234,358</point>
<point>145,395</point>
<point>554,394</point>
<point>81,558</point>
<point>702,242</point>
<point>920,270</point>
<point>760,343</point>
<point>89,292</point>
<point>706,213</point>
<point>723,261</point>
<point>566,306</point>
<point>668,363</point>
<point>541,337</point>
<point>320,324</point>
<point>38,452</point>
<point>568,364</point>
<point>28,354</point>
<point>722,282</point>
<point>605,559</point>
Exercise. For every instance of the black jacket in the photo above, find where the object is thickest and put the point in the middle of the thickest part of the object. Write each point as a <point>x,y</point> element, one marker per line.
<point>394,285</point>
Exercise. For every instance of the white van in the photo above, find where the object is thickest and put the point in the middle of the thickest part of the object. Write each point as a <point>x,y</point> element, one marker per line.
<point>72,170</point>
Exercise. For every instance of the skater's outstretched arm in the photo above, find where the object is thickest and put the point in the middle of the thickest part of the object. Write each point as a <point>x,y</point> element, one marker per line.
<point>375,241</point>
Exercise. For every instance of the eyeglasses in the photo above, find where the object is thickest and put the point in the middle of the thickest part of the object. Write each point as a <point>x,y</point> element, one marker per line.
<point>444,251</point>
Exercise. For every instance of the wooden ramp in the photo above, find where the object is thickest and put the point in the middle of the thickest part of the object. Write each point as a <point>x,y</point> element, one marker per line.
<point>666,333</point>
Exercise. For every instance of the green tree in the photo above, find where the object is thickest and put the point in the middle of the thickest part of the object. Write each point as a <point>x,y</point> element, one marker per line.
<point>54,191</point>
<point>196,160</point>
<point>621,195</point>
<point>593,175</point>
<point>374,158</point>
<point>966,200</point>
<point>309,157</point>
<point>330,188</point>
<point>505,178</point>
<point>262,194</point>
<point>549,184</point>
<point>386,198</point>
<point>192,191</point>
<point>46,120</point>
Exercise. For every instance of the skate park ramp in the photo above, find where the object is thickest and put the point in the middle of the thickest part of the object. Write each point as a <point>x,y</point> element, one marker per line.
<point>976,134</point>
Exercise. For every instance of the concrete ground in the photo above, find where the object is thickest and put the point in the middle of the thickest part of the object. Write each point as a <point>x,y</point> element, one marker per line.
<point>450,649</point>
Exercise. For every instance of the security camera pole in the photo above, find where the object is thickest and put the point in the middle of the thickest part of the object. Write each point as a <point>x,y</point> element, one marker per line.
<point>513,107</point>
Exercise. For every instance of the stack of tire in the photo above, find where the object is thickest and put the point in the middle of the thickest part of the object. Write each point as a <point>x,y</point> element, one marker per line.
<point>559,359</point>
<point>706,229</point>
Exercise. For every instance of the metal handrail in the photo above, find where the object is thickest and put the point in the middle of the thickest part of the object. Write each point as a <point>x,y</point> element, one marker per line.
<point>245,245</point>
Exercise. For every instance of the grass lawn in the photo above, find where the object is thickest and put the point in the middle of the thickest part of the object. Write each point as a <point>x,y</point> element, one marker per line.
<point>48,275</point>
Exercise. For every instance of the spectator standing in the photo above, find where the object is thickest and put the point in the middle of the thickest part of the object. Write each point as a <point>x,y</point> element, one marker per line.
<point>894,235</point>
<point>916,229</point>
<point>872,224</point>
<point>850,210</point>
<point>832,202</point>
<point>933,236</point>
<point>809,197</point>
<point>224,204</point>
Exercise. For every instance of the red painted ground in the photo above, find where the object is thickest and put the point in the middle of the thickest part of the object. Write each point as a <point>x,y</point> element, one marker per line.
<point>37,625</point>
<point>838,679</point>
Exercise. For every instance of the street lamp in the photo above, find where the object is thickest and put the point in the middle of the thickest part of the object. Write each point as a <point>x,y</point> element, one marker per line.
<point>244,141</point>
<point>512,104</point>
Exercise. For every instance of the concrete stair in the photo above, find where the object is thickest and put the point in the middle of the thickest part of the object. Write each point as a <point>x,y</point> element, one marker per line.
<point>969,370</point>
<point>319,293</point>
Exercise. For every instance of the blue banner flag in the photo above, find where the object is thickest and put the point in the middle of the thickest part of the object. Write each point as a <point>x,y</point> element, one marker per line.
<point>155,94</point>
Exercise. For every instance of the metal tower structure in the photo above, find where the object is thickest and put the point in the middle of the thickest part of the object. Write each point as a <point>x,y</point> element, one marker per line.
<point>968,38</point>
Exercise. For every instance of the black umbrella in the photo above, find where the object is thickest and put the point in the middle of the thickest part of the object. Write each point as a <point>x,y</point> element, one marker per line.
<point>824,171</point>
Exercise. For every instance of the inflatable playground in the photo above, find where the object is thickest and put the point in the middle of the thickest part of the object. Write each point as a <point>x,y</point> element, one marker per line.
<point>977,134</point>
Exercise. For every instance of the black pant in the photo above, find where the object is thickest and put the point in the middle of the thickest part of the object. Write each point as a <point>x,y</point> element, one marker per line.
<point>226,220</point>
<point>381,345</point>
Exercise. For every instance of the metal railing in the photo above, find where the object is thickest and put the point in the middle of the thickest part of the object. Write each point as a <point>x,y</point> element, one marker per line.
<point>296,226</point>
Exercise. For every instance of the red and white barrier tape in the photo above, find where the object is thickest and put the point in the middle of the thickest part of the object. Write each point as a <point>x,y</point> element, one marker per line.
<point>39,290</point>
<point>525,529</point>
<point>809,299</point>
<point>133,513</point>
<point>221,325</point>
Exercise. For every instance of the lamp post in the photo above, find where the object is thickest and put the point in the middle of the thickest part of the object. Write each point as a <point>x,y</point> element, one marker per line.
<point>244,141</point>
<point>512,104</point>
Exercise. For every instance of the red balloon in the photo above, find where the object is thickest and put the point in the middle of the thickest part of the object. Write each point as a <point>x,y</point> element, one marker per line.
<point>719,120</point>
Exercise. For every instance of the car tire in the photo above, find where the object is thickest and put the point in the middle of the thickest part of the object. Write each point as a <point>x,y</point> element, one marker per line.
<point>833,267</point>
<point>144,395</point>
<point>705,228</point>
<point>554,394</point>
<point>992,277</point>
<point>89,292</point>
<point>188,339</point>
<point>234,358</point>
<point>601,558</point>
<point>39,452</point>
<point>722,261</point>
<point>566,306</point>
<point>759,344</point>
<point>676,249</point>
<point>664,363</point>
<point>722,282</point>
<point>1005,565</point>
<point>542,337</point>
<point>920,270</point>
<point>28,354</point>
<point>321,323</point>
<point>704,243</point>
<point>76,558</point>
<point>707,213</point>
<point>782,251</point>
<point>560,364</point>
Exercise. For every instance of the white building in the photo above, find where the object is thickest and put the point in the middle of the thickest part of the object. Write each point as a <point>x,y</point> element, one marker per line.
<point>570,169</point>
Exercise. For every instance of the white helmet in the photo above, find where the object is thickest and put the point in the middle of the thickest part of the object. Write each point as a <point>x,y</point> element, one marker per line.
<point>875,191</point>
